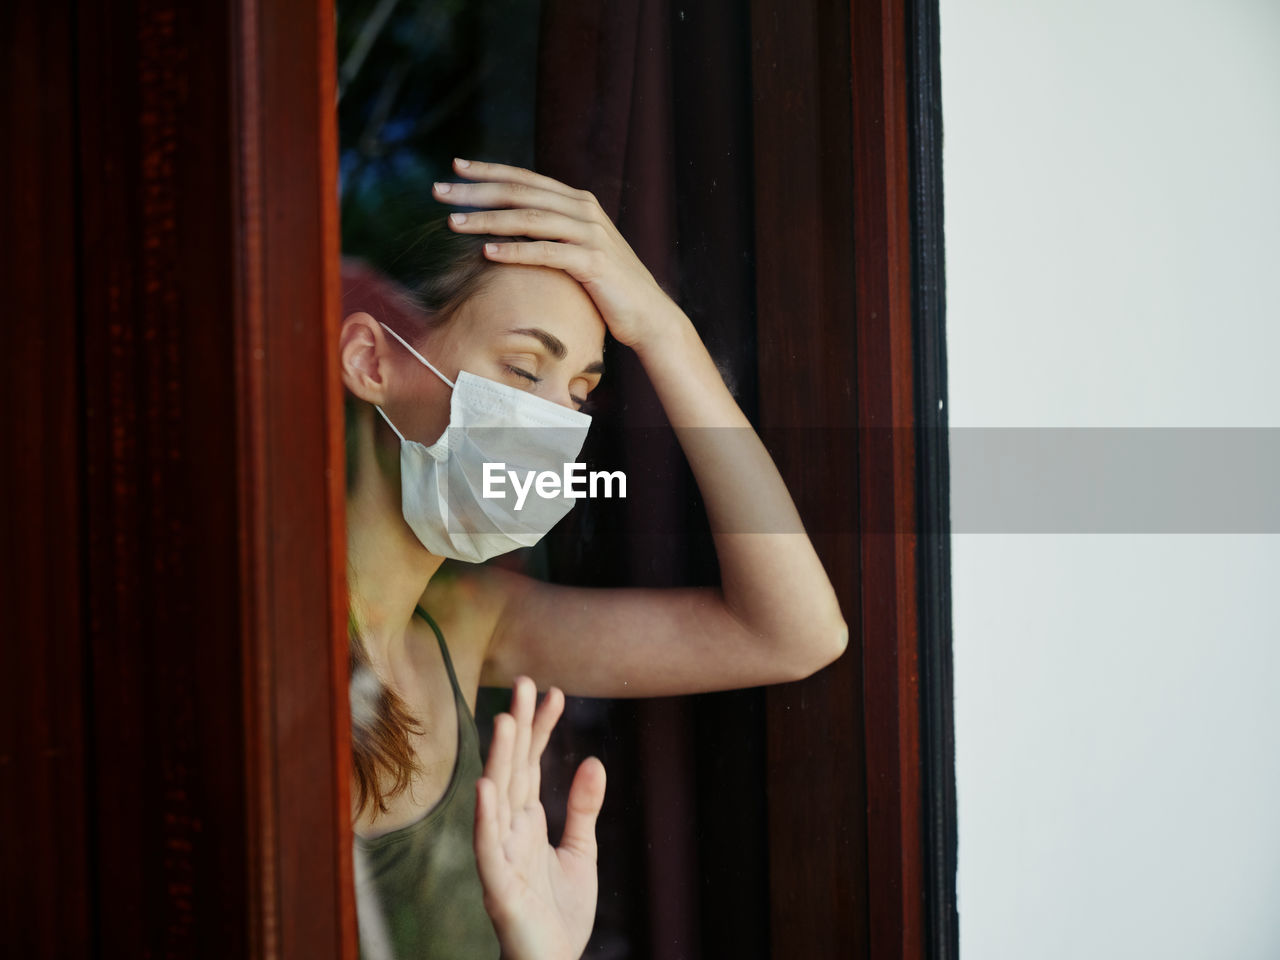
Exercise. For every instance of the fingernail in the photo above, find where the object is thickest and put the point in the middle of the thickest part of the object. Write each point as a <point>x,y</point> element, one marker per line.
<point>490,248</point>
<point>458,217</point>
<point>462,164</point>
<point>443,187</point>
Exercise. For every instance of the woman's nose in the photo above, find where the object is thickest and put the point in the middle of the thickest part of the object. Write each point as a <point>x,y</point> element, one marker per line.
<point>564,398</point>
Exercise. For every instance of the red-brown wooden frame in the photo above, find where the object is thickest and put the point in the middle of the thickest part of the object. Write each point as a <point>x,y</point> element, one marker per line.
<point>176,772</point>
<point>833,240</point>
<point>290,418</point>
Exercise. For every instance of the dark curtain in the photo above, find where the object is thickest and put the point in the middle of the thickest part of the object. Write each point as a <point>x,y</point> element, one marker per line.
<point>647,105</point>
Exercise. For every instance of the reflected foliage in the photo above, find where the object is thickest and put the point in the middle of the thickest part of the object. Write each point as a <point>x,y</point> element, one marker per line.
<point>420,82</point>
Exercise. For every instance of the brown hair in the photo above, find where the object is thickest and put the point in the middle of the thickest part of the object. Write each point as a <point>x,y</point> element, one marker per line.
<point>450,268</point>
<point>381,722</point>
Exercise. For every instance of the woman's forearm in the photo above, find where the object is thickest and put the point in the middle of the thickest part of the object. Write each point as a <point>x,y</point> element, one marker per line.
<point>771,576</point>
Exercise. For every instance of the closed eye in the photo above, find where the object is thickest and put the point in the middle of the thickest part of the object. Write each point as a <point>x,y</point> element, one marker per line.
<point>523,373</point>
<point>582,402</point>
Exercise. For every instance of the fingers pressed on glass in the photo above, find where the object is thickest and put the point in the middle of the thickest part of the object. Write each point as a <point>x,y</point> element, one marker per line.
<point>522,704</point>
<point>586,796</point>
<point>488,833</point>
<point>544,721</point>
<point>498,767</point>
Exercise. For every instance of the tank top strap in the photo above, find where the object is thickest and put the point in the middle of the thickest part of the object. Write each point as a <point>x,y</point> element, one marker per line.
<point>444,652</point>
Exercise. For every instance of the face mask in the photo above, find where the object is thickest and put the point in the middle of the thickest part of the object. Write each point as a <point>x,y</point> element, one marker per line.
<point>489,422</point>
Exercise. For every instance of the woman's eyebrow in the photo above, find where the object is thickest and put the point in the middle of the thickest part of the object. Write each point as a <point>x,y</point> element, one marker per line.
<point>553,343</point>
<point>555,346</point>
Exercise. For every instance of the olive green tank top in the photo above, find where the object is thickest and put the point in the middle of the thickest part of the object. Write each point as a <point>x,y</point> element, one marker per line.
<point>418,892</point>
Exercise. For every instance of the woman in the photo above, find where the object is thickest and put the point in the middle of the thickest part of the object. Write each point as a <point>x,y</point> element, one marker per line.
<point>516,331</point>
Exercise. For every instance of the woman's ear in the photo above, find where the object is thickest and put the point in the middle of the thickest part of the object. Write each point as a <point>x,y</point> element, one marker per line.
<point>362,353</point>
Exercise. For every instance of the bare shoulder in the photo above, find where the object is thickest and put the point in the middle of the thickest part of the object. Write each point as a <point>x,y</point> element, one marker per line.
<point>467,600</point>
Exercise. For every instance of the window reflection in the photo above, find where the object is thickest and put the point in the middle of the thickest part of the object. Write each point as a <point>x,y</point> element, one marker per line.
<point>585,92</point>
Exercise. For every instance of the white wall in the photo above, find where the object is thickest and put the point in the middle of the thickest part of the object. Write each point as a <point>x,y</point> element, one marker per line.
<point>1112,179</point>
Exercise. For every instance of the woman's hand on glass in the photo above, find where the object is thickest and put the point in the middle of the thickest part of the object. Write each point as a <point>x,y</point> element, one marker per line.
<point>542,899</point>
<point>569,231</point>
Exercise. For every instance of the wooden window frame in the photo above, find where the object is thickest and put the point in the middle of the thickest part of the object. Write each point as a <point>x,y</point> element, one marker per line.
<point>177,769</point>
<point>179,416</point>
<point>850,252</point>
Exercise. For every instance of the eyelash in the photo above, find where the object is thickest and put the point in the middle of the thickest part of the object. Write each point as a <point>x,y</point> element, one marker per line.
<point>532,379</point>
<point>523,373</point>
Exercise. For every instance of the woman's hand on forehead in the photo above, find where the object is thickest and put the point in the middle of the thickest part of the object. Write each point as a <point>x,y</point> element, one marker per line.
<point>570,232</point>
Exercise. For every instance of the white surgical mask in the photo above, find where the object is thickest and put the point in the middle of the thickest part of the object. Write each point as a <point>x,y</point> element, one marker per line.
<point>489,422</point>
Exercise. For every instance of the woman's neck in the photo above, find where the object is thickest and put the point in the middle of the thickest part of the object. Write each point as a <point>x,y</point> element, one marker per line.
<point>387,567</point>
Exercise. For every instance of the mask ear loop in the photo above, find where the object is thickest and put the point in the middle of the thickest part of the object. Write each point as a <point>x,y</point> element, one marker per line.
<point>416,354</point>
<point>424,360</point>
<point>389,423</point>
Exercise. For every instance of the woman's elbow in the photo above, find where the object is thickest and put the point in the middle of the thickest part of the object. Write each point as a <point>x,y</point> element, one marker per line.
<point>823,647</point>
<point>840,641</point>
<point>835,642</point>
